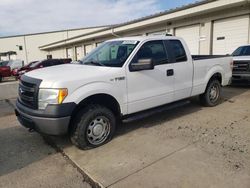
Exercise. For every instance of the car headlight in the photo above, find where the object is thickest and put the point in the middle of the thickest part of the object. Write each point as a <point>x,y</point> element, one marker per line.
<point>51,96</point>
<point>22,72</point>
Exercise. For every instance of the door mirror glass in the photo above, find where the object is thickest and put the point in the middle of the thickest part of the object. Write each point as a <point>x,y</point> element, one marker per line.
<point>142,64</point>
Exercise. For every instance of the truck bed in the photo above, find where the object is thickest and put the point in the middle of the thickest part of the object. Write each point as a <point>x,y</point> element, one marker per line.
<point>201,57</point>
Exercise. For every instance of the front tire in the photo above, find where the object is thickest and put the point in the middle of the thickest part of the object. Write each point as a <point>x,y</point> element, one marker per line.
<point>93,126</point>
<point>212,95</point>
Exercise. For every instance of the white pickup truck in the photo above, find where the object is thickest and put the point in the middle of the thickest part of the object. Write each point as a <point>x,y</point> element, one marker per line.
<point>241,58</point>
<point>118,79</point>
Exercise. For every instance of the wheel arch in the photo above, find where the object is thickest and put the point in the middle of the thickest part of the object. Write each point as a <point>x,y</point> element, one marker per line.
<point>102,99</point>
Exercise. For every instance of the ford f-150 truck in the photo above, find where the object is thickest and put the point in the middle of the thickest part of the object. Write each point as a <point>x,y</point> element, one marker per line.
<point>118,79</point>
<point>241,57</point>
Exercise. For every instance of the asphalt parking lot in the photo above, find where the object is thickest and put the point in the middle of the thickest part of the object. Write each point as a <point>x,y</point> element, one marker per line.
<point>188,146</point>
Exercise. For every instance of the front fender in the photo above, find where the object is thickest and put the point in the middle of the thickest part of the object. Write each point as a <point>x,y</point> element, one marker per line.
<point>90,89</point>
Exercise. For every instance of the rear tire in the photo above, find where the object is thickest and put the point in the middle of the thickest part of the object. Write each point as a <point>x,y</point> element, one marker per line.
<point>212,95</point>
<point>93,126</point>
<point>1,78</point>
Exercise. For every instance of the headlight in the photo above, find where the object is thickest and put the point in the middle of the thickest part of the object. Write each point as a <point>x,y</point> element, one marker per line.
<point>22,72</point>
<point>51,96</point>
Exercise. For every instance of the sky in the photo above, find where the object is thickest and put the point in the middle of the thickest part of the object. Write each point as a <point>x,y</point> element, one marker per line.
<point>32,16</point>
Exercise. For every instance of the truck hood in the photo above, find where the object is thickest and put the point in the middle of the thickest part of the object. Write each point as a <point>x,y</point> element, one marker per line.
<point>64,75</point>
<point>241,58</point>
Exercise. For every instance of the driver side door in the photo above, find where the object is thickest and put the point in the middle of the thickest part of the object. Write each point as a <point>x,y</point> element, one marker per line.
<point>150,88</point>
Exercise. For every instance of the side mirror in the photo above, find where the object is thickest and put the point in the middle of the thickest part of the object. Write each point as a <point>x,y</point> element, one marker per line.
<point>142,64</point>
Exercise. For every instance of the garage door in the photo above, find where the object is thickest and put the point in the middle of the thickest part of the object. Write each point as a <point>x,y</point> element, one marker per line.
<point>88,48</point>
<point>158,33</point>
<point>79,52</point>
<point>69,52</point>
<point>229,34</point>
<point>191,34</point>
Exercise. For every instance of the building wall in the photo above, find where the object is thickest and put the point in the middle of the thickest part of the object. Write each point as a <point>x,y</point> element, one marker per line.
<point>31,43</point>
<point>205,23</point>
<point>11,44</point>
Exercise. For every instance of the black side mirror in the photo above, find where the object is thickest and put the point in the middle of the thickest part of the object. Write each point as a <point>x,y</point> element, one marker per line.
<point>142,64</point>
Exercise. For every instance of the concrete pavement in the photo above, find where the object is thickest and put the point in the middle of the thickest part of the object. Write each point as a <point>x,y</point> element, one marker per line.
<point>8,90</point>
<point>188,147</point>
<point>26,160</point>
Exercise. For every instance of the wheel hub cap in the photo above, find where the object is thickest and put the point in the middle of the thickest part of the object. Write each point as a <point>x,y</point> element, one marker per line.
<point>98,130</point>
<point>213,93</point>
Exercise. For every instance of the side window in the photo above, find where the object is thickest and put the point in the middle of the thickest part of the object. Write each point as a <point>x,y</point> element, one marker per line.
<point>178,50</point>
<point>57,62</point>
<point>46,63</point>
<point>154,50</point>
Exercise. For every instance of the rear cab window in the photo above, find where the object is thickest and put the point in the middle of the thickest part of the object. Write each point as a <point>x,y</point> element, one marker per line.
<point>178,51</point>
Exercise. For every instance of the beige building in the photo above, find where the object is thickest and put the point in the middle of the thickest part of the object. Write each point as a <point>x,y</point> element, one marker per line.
<point>209,27</point>
<point>27,46</point>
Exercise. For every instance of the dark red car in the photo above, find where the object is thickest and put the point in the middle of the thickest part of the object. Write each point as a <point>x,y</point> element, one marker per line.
<point>7,67</point>
<point>41,64</point>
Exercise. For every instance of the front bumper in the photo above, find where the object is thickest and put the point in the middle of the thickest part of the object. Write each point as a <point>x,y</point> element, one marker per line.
<point>54,120</point>
<point>239,76</point>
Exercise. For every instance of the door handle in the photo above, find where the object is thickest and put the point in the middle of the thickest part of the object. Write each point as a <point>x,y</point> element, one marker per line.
<point>170,72</point>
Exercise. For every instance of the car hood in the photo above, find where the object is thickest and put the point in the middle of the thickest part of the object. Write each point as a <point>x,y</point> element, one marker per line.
<point>78,75</point>
<point>241,58</point>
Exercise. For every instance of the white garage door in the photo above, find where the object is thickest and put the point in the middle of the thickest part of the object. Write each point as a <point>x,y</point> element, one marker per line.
<point>88,48</point>
<point>69,52</point>
<point>191,34</point>
<point>79,52</point>
<point>229,34</point>
<point>158,33</point>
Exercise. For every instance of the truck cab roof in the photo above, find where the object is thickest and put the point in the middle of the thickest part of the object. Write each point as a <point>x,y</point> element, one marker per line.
<point>146,38</point>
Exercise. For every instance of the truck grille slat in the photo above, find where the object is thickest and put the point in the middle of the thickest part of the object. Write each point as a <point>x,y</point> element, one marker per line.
<point>241,66</point>
<point>28,94</point>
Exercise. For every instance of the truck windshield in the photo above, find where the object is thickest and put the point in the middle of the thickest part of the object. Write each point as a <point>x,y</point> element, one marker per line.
<point>112,53</point>
<point>242,51</point>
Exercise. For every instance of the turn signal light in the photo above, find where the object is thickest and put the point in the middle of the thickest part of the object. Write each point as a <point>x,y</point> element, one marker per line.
<point>62,94</point>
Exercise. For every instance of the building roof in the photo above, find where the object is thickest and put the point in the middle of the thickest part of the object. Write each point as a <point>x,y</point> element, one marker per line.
<point>182,11</point>
<point>56,31</point>
<point>176,9</point>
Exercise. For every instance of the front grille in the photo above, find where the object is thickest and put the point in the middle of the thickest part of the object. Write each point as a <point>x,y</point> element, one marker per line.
<point>28,92</point>
<point>241,66</point>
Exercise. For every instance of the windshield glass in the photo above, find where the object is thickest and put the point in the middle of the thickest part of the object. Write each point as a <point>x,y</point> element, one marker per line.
<point>34,64</point>
<point>4,63</point>
<point>113,53</point>
<point>242,51</point>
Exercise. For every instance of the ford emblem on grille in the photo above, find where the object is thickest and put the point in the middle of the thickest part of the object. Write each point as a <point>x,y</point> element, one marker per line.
<point>21,90</point>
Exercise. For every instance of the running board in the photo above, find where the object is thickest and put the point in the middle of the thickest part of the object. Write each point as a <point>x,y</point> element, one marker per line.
<point>150,112</point>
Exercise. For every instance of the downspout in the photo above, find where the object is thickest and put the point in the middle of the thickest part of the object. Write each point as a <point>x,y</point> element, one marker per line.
<point>113,33</point>
<point>26,53</point>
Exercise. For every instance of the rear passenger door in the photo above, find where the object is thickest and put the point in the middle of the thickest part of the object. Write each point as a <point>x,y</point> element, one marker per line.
<point>150,88</point>
<point>182,68</point>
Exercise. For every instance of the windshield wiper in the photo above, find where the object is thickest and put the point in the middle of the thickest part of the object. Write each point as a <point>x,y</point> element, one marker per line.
<point>93,63</point>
